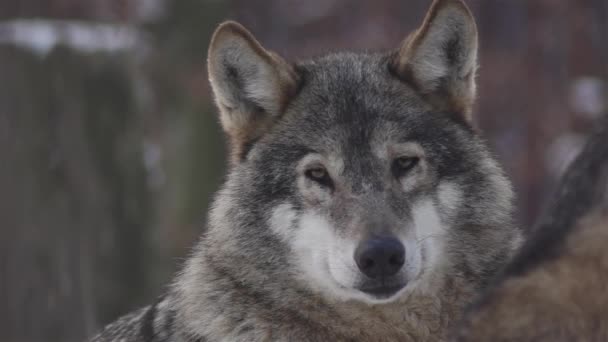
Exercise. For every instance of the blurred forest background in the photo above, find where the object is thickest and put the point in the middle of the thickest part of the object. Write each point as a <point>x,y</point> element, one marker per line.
<point>110,149</point>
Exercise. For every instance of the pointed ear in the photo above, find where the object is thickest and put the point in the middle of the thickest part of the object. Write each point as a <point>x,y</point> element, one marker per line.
<point>251,85</point>
<point>440,58</point>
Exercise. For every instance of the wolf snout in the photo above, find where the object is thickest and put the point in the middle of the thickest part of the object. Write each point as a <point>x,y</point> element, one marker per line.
<point>380,257</point>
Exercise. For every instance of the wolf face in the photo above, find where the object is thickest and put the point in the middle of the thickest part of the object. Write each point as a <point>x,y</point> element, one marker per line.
<point>357,176</point>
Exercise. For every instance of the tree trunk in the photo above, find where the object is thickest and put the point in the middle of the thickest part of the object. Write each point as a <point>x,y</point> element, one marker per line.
<point>74,202</point>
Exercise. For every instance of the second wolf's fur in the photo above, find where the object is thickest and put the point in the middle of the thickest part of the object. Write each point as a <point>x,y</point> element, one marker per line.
<point>555,288</point>
<point>361,204</point>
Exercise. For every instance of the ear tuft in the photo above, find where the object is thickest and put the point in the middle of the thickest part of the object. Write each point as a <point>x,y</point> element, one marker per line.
<point>440,58</point>
<point>251,85</point>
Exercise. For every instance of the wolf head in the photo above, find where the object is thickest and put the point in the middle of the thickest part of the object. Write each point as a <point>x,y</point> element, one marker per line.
<point>357,175</point>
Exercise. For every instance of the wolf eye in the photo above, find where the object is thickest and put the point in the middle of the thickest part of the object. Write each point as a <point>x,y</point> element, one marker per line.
<point>403,165</point>
<point>319,175</point>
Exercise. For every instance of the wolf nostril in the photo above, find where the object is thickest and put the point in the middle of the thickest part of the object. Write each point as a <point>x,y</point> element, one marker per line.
<point>397,260</point>
<point>367,263</point>
<point>380,257</point>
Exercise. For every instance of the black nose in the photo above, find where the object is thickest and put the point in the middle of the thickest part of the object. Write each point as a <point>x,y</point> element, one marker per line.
<point>380,257</point>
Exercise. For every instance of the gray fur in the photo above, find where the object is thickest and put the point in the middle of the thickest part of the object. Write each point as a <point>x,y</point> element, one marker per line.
<point>274,263</point>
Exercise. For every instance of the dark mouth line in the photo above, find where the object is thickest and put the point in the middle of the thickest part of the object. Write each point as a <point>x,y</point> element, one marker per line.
<point>382,291</point>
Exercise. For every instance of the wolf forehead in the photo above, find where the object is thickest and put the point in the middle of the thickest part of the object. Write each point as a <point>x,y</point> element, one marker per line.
<point>349,105</point>
<point>350,89</point>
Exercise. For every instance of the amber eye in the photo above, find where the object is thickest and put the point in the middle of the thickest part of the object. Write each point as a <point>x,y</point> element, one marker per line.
<point>319,175</point>
<point>403,165</point>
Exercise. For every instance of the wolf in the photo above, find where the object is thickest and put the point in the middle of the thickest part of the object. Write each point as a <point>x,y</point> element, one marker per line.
<point>555,288</point>
<point>361,202</point>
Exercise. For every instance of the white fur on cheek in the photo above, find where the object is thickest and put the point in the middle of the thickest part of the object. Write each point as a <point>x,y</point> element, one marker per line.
<point>450,198</point>
<point>432,219</point>
<point>311,244</point>
<point>430,234</point>
<point>323,257</point>
<point>281,221</point>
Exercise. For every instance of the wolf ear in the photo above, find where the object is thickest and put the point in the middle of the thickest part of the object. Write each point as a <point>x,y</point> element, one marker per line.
<point>251,85</point>
<point>440,58</point>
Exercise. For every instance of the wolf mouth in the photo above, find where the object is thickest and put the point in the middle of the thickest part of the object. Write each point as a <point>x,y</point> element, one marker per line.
<point>383,291</point>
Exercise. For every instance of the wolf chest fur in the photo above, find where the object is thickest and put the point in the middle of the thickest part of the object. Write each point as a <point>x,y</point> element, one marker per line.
<point>360,205</point>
